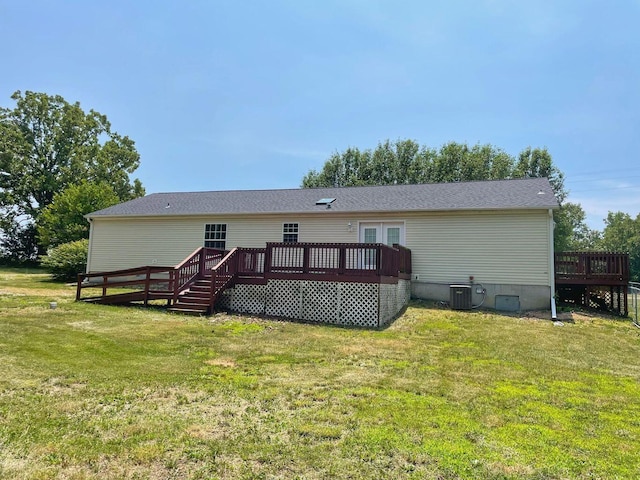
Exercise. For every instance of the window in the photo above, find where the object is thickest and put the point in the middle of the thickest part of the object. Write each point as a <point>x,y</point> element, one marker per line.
<point>370,235</point>
<point>393,235</point>
<point>215,235</point>
<point>290,233</point>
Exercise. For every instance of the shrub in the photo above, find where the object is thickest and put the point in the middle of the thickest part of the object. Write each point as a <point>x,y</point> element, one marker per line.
<point>65,261</point>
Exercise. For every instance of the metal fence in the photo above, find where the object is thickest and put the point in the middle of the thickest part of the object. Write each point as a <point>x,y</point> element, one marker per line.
<point>633,299</point>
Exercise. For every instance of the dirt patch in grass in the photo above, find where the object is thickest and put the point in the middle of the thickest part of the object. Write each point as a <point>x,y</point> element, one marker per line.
<point>221,362</point>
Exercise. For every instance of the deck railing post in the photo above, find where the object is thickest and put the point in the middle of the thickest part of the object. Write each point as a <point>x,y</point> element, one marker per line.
<point>342,259</point>
<point>79,287</point>
<point>202,262</point>
<point>394,267</point>
<point>104,286</point>
<point>305,259</point>
<point>176,284</point>
<point>146,286</point>
<point>214,279</point>
<point>267,259</point>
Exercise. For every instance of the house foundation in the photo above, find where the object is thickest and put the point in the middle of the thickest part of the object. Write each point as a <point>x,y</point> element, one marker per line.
<point>528,297</point>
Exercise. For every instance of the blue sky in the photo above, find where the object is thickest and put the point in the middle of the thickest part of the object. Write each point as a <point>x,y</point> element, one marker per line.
<point>253,94</point>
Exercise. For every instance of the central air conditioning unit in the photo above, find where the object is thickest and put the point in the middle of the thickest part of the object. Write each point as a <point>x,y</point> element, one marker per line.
<point>460,297</point>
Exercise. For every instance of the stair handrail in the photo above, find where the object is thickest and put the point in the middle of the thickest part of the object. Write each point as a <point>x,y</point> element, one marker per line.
<point>192,268</point>
<point>186,272</point>
<point>228,267</point>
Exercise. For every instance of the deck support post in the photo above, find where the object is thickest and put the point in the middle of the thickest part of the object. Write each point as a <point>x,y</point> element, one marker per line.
<point>79,287</point>
<point>146,286</point>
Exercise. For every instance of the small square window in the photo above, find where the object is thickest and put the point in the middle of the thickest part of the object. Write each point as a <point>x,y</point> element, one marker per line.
<point>290,233</point>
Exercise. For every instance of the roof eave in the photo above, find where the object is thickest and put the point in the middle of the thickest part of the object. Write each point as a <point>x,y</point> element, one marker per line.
<point>321,212</point>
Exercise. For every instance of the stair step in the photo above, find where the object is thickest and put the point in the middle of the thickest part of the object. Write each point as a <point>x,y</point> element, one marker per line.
<point>190,299</point>
<point>191,306</point>
<point>199,288</point>
<point>201,307</point>
<point>197,294</point>
<point>202,300</point>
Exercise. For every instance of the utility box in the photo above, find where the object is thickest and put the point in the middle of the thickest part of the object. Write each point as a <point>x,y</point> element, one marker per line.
<point>508,303</point>
<point>460,297</point>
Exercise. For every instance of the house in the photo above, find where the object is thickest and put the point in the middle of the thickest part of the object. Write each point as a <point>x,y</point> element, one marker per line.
<point>495,238</point>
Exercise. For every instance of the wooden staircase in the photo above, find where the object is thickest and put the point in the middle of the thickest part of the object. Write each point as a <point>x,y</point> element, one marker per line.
<point>200,297</point>
<point>195,300</point>
<point>192,287</point>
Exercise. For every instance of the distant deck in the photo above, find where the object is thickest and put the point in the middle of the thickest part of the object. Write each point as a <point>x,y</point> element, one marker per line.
<point>592,268</point>
<point>593,279</point>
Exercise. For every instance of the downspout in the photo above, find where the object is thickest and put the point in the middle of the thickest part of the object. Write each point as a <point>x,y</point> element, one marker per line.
<point>552,268</point>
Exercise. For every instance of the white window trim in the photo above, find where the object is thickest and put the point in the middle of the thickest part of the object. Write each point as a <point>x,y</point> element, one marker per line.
<point>381,224</point>
<point>297,232</point>
<point>204,236</point>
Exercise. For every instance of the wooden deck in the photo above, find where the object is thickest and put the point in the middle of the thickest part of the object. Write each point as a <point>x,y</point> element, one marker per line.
<point>194,285</point>
<point>593,279</point>
<point>592,268</point>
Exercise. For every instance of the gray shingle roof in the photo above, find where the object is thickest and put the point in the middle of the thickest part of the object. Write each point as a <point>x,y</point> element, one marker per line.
<point>530,193</point>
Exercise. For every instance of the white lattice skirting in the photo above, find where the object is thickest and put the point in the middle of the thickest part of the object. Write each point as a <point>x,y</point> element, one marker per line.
<point>340,303</point>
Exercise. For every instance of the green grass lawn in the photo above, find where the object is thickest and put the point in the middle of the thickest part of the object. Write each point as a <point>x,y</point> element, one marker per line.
<point>90,391</point>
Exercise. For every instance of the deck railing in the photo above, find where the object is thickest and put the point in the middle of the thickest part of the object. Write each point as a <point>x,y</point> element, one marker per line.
<point>330,259</point>
<point>140,284</point>
<point>151,282</point>
<point>404,254</point>
<point>250,262</point>
<point>223,274</point>
<point>356,262</point>
<point>595,268</point>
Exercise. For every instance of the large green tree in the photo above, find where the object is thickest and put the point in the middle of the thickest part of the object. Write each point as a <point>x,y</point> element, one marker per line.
<point>405,161</point>
<point>48,144</point>
<point>536,163</point>
<point>63,220</point>
<point>622,234</point>
<point>572,231</point>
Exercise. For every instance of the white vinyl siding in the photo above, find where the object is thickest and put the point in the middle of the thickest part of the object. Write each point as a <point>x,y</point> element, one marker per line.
<point>500,248</point>
<point>134,242</point>
<point>495,247</point>
<point>131,243</point>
